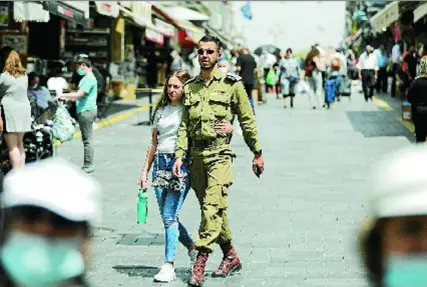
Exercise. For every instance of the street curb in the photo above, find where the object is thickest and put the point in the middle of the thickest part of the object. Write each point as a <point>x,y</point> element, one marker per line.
<point>110,121</point>
<point>408,125</point>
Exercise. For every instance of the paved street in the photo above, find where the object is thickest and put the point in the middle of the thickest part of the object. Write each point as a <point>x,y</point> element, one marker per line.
<point>296,226</point>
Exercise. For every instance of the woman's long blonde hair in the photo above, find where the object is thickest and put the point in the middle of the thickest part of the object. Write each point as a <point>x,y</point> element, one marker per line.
<point>183,76</point>
<point>13,65</point>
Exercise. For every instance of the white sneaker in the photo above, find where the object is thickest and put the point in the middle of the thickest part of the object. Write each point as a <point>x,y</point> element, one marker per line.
<point>193,256</point>
<point>166,274</point>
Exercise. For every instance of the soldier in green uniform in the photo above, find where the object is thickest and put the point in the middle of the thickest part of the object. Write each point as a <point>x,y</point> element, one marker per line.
<point>210,98</point>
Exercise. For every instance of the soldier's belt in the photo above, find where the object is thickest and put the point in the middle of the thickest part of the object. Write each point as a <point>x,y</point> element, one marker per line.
<point>209,143</point>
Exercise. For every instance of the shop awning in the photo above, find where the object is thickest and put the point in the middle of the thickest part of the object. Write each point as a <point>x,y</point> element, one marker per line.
<point>385,17</point>
<point>30,11</point>
<point>193,32</point>
<point>140,19</point>
<point>224,39</point>
<point>68,10</point>
<point>420,12</point>
<point>182,13</point>
<point>108,8</point>
<point>353,38</point>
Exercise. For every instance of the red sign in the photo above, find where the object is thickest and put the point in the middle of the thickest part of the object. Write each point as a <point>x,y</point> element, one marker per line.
<point>65,12</point>
<point>184,40</point>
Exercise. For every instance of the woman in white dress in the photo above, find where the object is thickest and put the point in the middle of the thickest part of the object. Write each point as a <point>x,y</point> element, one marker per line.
<point>15,106</point>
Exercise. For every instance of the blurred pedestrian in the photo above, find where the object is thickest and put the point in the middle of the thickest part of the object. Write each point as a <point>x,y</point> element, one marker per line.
<point>314,77</point>
<point>86,107</point>
<point>418,98</point>
<point>45,240</point>
<point>393,240</point>
<point>39,96</point>
<point>224,66</point>
<point>368,71</point>
<point>16,109</point>
<point>245,66</point>
<point>289,75</point>
<point>382,82</point>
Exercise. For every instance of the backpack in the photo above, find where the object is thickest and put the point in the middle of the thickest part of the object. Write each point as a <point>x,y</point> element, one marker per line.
<point>331,90</point>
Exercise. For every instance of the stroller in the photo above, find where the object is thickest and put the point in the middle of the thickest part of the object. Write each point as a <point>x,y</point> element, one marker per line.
<point>38,142</point>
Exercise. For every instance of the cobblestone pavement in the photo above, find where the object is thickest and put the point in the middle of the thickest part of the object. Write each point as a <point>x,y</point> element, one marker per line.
<point>296,226</point>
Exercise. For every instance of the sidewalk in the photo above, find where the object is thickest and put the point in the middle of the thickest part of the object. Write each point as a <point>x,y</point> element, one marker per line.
<point>296,226</point>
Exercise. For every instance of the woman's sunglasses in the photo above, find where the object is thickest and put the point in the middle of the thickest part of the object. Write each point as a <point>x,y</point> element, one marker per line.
<point>208,51</point>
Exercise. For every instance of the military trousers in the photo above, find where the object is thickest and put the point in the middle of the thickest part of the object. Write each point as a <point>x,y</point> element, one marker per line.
<point>210,178</point>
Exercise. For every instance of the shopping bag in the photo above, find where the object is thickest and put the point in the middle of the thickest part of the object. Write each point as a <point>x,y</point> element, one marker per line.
<point>142,207</point>
<point>63,128</point>
<point>302,87</point>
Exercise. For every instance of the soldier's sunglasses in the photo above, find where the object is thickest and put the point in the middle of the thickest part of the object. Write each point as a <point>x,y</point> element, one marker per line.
<point>208,51</point>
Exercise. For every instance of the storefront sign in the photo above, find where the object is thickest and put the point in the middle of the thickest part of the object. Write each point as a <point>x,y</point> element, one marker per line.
<point>166,29</point>
<point>154,36</point>
<point>109,8</point>
<point>386,17</point>
<point>82,6</point>
<point>66,12</point>
<point>4,15</point>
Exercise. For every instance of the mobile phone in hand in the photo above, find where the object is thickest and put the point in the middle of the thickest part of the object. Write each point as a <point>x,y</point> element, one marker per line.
<point>257,171</point>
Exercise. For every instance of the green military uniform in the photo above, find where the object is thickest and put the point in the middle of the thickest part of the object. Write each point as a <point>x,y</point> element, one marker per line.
<point>211,155</point>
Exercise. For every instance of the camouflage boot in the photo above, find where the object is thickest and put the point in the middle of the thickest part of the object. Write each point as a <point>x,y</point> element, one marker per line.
<point>198,272</point>
<point>230,262</point>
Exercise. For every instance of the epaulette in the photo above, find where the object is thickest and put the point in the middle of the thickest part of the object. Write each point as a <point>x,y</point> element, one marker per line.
<point>233,77</point>
<point>190,80</point>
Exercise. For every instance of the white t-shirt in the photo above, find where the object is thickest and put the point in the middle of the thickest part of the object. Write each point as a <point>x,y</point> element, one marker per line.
<point>167,121</point>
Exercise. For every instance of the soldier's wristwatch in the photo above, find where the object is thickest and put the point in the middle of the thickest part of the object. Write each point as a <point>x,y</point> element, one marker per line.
<point>258,152</point>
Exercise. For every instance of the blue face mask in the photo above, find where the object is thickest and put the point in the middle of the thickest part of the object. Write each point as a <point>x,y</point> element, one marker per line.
<point>81,72</point>
<point>35,261</point>
<point>406,270</point>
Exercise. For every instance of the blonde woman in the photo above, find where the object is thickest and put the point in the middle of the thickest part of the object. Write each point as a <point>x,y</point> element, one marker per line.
<point>15,106</point>
<point>170,192</point>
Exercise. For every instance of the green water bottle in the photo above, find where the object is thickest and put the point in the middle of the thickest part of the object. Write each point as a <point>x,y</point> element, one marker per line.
<point>142,207</point>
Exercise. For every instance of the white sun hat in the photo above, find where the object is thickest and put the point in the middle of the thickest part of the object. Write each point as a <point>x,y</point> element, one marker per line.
<point>55,185</point>
<point>400,183</point>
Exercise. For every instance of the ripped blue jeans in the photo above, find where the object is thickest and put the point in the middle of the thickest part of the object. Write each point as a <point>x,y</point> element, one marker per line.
<point>170,203</point>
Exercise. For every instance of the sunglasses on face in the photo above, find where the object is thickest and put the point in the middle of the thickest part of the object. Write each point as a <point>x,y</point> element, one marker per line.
<point>208,51</point>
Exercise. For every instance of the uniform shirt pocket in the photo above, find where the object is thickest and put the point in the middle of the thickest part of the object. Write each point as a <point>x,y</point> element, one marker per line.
<point>192,103</point>
<point>220,104</point>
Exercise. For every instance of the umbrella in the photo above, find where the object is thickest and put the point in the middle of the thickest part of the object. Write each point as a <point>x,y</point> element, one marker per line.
<point>269,48</point>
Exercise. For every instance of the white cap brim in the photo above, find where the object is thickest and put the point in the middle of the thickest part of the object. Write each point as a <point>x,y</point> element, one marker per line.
<point>56,186</point>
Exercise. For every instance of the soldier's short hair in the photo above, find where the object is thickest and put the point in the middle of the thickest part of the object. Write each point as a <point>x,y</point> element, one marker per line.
<point>211,38</point>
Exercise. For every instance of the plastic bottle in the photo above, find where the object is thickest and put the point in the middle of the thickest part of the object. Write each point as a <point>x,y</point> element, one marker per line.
<point>142,207</point>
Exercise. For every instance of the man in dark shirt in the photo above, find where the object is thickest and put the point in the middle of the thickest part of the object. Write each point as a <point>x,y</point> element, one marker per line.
<point>411,60</point>
<point>246,66</point>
